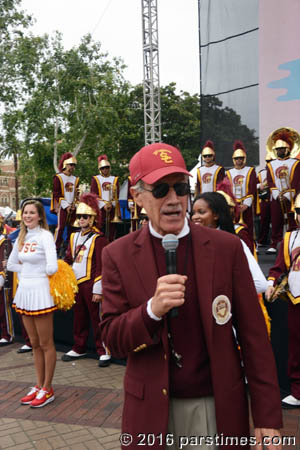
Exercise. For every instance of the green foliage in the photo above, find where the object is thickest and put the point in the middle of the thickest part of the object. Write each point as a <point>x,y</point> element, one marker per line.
<point>55,101</point>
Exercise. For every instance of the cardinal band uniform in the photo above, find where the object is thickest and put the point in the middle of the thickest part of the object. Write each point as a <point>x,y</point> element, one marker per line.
<point>283,175</point>
<point>6,319</point>
<point>288,258</point>
<point>84,255</point>
<point>243,182</point>
<point>106,186</point>
<point>64,196</point>
<point>209,174</point>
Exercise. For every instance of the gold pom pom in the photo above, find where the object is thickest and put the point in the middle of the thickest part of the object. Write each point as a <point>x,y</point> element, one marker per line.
<point>63,286</point>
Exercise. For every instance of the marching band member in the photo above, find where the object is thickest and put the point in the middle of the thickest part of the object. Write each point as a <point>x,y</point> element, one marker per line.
<point>63,200</point>
<point>243,183</point>
<point>84,255</point>
<point>240,228</point>
<point>106,186</point>
<point>264,203</point>
<point>210,174</point>
<point>33,257</point>
<point>283,175</point>
<point>6,319</point>
<point>288,259</point>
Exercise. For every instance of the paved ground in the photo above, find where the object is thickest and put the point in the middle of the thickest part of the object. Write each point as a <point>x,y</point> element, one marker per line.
<point>86,413</point>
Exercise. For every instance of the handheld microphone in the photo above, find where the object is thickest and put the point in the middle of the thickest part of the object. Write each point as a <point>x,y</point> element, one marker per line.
<point>170,243</point>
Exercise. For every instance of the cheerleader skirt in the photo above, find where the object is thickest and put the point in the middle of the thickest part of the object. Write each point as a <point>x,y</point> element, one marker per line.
<point>33,297</point>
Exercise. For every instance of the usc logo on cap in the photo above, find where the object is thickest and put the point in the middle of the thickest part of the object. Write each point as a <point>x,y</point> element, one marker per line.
<point>163,154</point>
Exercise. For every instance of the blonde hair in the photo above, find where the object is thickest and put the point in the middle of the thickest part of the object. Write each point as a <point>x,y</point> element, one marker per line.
<point>42,220</point>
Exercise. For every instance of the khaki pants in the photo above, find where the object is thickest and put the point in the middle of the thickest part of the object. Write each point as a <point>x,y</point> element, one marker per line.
<point>192,423</point>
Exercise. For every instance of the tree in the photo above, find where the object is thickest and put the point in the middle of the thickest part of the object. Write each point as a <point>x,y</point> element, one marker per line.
<point>71,106</point>
<point>13,23</point>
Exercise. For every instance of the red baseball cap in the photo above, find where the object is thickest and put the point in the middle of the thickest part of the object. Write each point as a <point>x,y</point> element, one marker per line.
<point>155,161</point>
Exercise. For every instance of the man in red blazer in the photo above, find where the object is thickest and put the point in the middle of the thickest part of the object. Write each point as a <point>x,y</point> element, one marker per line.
<point>184,378</point>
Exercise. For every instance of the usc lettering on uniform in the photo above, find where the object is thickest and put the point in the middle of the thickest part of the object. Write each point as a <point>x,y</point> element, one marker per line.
<point>29,247</point>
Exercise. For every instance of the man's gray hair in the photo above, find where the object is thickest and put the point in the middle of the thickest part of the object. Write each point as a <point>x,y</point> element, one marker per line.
<point>139,186</point>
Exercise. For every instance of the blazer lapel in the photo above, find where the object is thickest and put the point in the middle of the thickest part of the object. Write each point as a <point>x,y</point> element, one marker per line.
<point>204,257</point>
<point>144,262</point>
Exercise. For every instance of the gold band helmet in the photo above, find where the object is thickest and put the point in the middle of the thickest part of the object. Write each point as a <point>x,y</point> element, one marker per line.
<point>88,205</point>
<point>83,208</point>
<point>239,151</point>
<point>103,162</point>
<point>71,160</point>
<point>208,149</point>
<point>224,188</point>
<point>284,137</point>
<point>67,158</point>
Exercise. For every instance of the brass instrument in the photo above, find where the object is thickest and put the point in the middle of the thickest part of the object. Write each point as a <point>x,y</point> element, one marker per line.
<point>265,192</point>
<point>284,187</point>
<point>281,289</point>
<point>134,217</point>
<point>116,218</point>
<point>294,135</point>
<point>107,217</point>
<point>72,206</point>
<point>238,195</point>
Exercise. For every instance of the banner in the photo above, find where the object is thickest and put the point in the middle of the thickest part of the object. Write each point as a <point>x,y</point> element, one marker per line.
<point>279,68</point>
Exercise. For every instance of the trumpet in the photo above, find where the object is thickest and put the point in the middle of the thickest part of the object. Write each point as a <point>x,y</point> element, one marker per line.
<point>238,196</point>
<point>72,206</point>
<point>107,217</point>
<point>116,218</point>
<point>284,187</point>
<point>134,218</point>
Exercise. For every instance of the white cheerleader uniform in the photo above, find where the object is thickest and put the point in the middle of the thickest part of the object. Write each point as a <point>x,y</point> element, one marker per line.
<point>34,263</point>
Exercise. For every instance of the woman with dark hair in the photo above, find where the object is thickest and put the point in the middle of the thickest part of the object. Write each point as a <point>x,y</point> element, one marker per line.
<point>210,209</point>
<point>34,258</point>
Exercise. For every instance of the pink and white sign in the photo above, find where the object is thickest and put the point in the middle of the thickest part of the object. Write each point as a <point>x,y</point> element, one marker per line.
<point>279,68</point>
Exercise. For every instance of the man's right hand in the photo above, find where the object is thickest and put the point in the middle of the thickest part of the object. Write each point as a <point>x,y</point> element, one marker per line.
<point>169,293</point>
<point>269,292</point>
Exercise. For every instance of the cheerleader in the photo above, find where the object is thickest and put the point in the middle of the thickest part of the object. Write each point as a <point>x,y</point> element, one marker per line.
<point>34,258</point>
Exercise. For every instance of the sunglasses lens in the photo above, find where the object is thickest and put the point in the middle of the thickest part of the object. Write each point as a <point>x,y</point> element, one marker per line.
<point>181,189</point>
<point>84,216</point>
<point>160,190</point>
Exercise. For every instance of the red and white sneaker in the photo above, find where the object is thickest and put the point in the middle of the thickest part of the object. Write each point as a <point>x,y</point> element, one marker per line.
<point>30,396</point>
<point>43,398</point>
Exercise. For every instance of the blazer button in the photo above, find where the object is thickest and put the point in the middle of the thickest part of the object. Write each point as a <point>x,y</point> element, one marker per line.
<point>165,392</point>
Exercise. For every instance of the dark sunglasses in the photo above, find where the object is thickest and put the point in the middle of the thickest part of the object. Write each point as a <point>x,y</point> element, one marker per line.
<point>207,156</point>
<point>239,157</point>
<point>84,216</point>
<point>161,190</point>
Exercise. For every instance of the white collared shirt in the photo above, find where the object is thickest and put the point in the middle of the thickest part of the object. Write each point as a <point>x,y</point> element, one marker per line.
<point>184,232</point>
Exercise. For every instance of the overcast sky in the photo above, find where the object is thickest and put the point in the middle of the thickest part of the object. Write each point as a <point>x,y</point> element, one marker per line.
<point>117,24</point>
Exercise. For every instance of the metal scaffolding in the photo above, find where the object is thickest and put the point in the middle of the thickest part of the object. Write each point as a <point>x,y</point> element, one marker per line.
<point>152,121</point>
